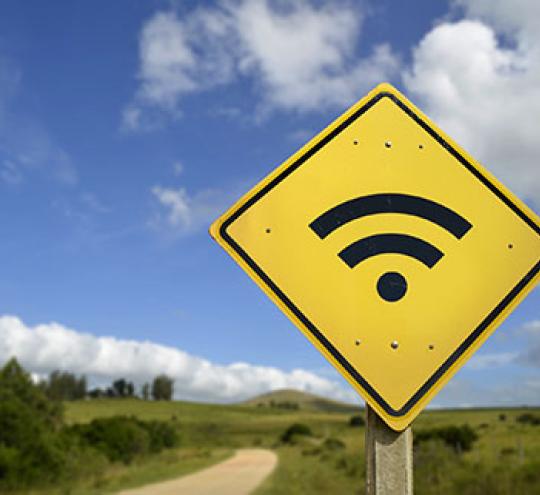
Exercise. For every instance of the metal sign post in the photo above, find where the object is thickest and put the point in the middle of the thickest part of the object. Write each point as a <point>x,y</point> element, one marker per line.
<point>389,458</point>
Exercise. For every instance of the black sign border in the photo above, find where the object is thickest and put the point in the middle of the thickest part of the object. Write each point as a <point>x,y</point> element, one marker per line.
<point>424,389</point>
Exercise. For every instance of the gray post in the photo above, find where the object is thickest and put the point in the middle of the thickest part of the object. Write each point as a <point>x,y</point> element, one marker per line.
<point>389,458</point>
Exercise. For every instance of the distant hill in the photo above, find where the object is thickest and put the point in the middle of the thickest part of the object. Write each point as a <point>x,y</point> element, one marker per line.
<point>294,399</point>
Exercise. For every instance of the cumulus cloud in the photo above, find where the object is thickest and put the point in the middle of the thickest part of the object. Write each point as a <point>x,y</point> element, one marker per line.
<point>183,213</point>
<point>479,78</point>
<point>179,56</point>
<point>303,57</point>
<point>299,56</point>
<point>47,347</point>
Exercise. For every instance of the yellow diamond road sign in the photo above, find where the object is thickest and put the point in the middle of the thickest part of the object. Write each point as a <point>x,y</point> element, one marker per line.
<point>391,248</point>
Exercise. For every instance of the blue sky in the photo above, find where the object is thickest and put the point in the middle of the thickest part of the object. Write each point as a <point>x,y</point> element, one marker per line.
<point>127,127</point>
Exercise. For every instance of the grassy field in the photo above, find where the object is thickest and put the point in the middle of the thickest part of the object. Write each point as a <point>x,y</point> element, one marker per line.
<point>504,461</point>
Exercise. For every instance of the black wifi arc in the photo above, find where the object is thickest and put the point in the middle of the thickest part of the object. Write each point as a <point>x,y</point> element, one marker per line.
<point>391,286</point>
<point>391,243</point>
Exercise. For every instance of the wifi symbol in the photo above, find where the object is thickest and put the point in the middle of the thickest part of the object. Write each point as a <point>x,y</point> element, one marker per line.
<point>391,286</point>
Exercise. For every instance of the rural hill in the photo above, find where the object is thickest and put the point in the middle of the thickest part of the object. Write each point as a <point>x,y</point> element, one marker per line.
<point>109,445</point>
<point>294,399</point>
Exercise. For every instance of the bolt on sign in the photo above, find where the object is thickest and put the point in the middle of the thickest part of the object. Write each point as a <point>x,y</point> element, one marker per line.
<point>389,247</point>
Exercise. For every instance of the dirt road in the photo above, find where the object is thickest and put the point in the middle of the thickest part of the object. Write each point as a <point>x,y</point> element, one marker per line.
<point>239,475</point>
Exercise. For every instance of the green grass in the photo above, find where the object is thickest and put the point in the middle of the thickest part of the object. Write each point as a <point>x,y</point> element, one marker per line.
<point>161,467</point>
<point>167,465</point>
<point>504,461</point>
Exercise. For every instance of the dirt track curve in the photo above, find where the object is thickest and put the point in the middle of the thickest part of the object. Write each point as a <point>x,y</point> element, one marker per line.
<point>239,475</point>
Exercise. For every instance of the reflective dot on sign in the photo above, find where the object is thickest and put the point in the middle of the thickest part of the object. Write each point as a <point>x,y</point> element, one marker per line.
<point>392,286</point>
<point>388,144</point>
<point>268,231</point>
<point>394,344</point>
<point>357,342</point>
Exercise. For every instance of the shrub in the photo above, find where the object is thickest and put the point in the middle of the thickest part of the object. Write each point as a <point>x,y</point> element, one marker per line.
<point>296,429</point>
<point>36,449</point>
<point>460,438</point>
<point>162,435</point>
<point>122,438</point>
<point>118,438</point>
<point>357,420</point>
<point>528,418</point>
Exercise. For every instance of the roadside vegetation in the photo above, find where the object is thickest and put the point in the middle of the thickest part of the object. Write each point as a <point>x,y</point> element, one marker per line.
<point>40,451</point>
<point>99,445</point>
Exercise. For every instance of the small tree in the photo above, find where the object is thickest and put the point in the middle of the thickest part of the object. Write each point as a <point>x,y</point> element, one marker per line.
<point>122,388</point>
<point>119,387</point>
<point>162,388</point>
<point>30,449</point>
<point>145,391</point>
<point>96,393</point>
<point>16,385</point>
<point>63,385</point>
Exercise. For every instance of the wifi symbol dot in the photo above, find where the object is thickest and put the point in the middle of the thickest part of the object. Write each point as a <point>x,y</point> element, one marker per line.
<point>391,286</point>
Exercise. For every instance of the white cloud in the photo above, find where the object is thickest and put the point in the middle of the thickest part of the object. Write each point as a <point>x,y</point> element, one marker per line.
<point>299,55</point>
<point>303,56</point>
<point>518,17</point>
<point>484,89</point>
<point>178,204</point>
<point>177,57</point>
<point>478,77</point>
<point>493,360</point>
<point>184,213</point>
<point>47,347</point>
